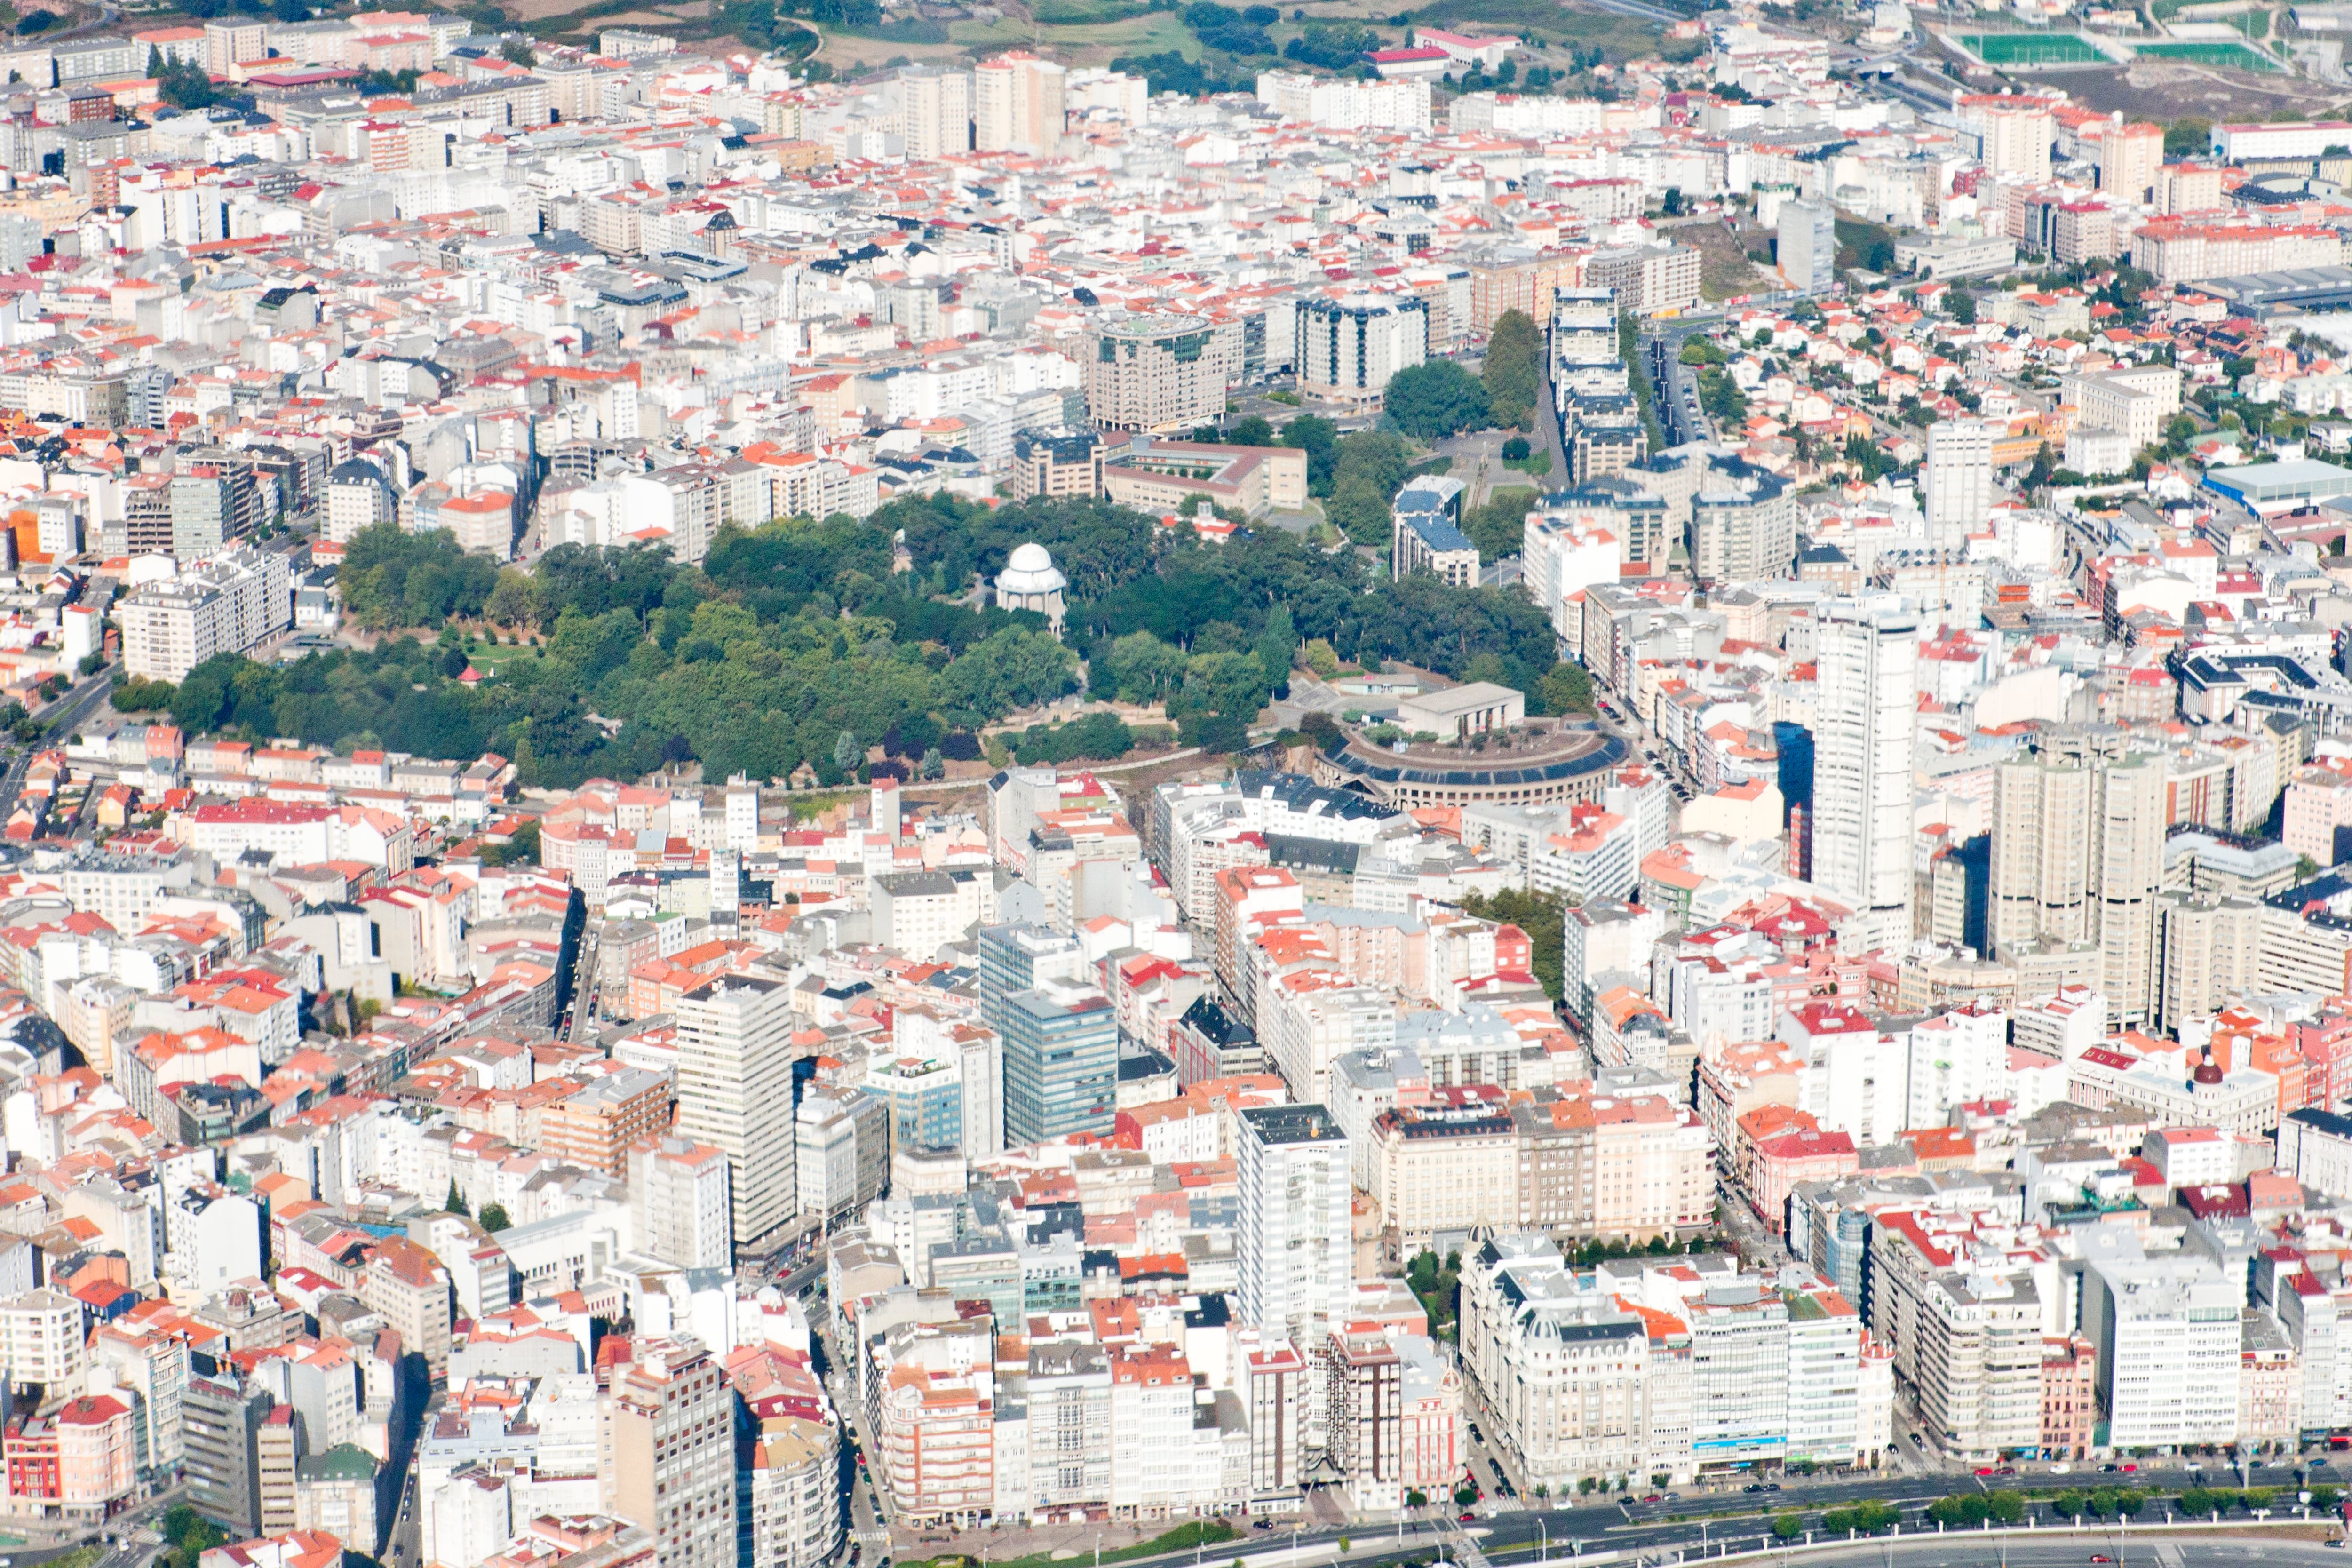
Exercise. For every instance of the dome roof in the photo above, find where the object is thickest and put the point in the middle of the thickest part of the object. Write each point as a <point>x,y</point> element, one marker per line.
<point>1030,570</point>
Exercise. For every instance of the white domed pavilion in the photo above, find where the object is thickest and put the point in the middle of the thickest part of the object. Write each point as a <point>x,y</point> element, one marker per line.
<point>1031,580</point>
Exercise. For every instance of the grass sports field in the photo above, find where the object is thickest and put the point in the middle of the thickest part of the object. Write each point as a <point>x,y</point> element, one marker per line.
<point>2236,56</point>
<point>2031,48</point>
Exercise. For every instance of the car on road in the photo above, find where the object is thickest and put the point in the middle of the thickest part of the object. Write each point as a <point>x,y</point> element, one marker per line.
<point>1753,1486</point>
<point>2107,1469</point>
<point>1653,1496</point>
<point>2101,1557</point>
<point>1464,1518</point>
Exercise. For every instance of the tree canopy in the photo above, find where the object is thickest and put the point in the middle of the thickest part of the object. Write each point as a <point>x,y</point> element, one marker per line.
<point>1435,399</point>
<point>1513,371</point>
<point>797,643</point>
<point>1367,469</point>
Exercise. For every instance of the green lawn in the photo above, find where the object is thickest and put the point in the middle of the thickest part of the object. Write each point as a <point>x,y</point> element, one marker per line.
<point>1085,13</point>
<point>1148,34</point>
<point>2234,56</point>
<point>2031,49</point>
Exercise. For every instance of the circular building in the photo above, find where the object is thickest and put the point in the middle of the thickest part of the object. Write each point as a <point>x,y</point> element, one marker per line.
<point>1549,763</point>
<point>1031,580</point>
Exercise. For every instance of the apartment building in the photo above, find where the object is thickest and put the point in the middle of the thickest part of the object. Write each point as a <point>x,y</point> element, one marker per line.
<point>1978,1362</point>
<point>1295,1238</point>
<point>1159,372</point>
<point>796,1514</point>
<point>2166,1332</point>
<point>224,605</point>
<point>735,1057</point>
<point>2135,401</point>
<point>678,1203</point>
<point>667,1459</point>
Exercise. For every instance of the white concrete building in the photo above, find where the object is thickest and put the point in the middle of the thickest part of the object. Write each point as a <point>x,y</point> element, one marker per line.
<point>1867,653</point>
<point>224,605</point>
<point>2315,1147</point>
<point>735,1072</point>
<point>1350,346</point>
<point>2167,1331</point>
<point>1295,1242</point>
<point>1956,480</point>
<point>678,1203</point>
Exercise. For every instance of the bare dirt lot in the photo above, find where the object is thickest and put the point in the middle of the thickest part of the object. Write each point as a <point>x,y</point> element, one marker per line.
<point>1726,271</point>
<point>2167,91</point>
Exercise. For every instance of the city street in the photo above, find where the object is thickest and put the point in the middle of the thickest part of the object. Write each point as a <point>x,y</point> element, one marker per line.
<point>1992,1549</point>
<point>58,720</point>
<point>580,1018</point>
<point>869,1530</point>
<point>405,1547</point>
<point>1539,1538</point>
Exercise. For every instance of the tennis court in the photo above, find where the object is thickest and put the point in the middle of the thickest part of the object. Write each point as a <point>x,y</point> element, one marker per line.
<point>2031,48</point>
<point>2235,57</point>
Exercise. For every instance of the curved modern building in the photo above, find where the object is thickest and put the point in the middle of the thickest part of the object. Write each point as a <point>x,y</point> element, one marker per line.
<point>1559,765</point>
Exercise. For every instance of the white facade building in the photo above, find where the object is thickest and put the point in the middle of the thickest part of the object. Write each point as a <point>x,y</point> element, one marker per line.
<point>227,604</point>
<point>1956,480</point>
<point>1868,658</point>
<point>1295,1244</point>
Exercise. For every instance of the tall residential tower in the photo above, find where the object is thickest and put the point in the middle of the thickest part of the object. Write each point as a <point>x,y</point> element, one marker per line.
<point>1867,651</point>
<point>735,1092</point>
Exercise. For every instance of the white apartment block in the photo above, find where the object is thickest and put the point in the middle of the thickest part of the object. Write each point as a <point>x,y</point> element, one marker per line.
<point>2167,1337</point>
<point>1580,1388</point>
<point>41,1338</point>
<point>1295,1244</point>
<point>2315,1147</point>
<point>2133,401</point>
<point>227,604</point>
<point>678,1203</point>
<point>734,1080</point>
